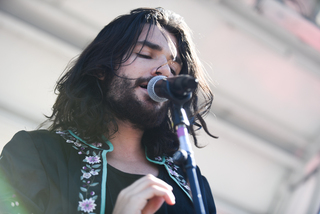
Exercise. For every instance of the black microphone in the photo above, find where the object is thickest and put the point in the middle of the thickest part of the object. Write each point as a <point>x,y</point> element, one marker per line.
<point>161,88</point>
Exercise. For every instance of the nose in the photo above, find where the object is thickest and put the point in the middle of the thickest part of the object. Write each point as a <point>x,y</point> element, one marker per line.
<point>164,70</point>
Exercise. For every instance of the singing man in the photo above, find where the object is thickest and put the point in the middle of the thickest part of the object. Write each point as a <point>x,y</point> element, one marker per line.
<point>109,146</point>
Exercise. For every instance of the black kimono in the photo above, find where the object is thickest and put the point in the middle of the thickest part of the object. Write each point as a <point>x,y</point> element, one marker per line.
<point>47,172</point>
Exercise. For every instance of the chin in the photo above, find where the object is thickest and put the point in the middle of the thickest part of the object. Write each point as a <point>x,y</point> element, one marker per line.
<point>154,104</point>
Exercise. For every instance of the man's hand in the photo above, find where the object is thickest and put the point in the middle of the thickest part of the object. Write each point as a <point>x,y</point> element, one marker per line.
<point>144,196</point>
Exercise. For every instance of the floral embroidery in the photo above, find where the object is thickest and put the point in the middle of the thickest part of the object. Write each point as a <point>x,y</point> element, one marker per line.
<point>173,171</point>
<point>94,172</point>
<point>86,175</point>
<point>90,169</point>
<point>97,144</point>
<point>87,205</point>
<point>92,166</point>
<point>158,158</point>
<point>92,159</point>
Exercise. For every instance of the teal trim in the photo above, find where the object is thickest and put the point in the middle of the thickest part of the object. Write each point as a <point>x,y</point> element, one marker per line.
<point>109,143</point>
<point>104,181</point>
<point>105,163</point>
<point>156,162</point>
<point>168,171</point>
<point>104,167</point>
<point>104,175</point>
<point>177,182</point>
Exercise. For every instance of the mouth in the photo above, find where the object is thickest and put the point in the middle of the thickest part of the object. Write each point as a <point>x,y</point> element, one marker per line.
<point>143,82</point>
<point>144,85</point>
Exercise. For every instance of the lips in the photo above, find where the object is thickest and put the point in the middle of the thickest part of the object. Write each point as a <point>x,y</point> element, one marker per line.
<point>144,85</point>
<point>142,82</point>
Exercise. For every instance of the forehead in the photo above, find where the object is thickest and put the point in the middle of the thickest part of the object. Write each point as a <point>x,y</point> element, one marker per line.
<point>160,37</point>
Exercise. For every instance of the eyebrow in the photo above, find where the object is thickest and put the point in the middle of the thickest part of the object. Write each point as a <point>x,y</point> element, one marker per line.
<point>156,47</point>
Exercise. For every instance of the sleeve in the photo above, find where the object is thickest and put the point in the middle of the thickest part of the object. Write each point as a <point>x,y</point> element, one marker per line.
<point>209,198</point>
<point>23,181</point>
<point>206,194</point>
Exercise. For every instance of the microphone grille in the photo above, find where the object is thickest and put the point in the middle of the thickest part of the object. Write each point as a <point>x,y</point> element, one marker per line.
<point>151,91</point>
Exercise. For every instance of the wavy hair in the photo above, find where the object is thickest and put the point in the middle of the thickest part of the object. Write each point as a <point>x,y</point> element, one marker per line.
<point>81,101</point>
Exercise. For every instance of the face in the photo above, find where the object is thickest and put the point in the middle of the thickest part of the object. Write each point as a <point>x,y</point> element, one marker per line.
<point>154,55</point>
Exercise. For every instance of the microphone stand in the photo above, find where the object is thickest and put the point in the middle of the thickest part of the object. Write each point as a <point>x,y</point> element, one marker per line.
<point>185,156</point>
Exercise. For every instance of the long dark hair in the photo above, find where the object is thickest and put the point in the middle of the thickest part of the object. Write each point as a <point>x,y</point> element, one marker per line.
<point>82,89</point>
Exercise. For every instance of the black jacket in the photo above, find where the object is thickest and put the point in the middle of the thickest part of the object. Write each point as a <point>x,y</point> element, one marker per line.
<point>47,172</point>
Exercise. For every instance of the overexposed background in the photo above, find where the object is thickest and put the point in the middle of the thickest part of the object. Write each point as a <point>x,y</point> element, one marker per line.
<point>262,55</point>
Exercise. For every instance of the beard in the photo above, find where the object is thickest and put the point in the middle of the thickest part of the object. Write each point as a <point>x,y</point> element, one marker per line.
<point>125,105</point>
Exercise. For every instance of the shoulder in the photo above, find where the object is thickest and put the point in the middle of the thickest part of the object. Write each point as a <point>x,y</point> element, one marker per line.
<point>30,165</point>
<point>35,136</point>
<point>27,141</point>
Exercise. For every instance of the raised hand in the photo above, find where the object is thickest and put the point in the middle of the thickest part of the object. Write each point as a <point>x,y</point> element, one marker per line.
<point>145,196</point>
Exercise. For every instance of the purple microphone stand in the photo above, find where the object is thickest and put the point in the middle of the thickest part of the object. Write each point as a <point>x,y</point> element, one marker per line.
<point>184,157</point>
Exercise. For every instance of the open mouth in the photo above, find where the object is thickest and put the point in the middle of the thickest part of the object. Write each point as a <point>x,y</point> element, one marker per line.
<point>144,85</point>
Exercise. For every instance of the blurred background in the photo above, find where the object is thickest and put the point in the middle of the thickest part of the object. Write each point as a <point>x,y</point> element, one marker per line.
<point>263,57</point>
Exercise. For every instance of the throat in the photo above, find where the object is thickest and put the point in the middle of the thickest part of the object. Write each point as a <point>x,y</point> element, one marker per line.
<point>138,167</point>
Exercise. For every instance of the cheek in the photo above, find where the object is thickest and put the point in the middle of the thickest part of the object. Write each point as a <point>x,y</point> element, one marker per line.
<point>136,69</point>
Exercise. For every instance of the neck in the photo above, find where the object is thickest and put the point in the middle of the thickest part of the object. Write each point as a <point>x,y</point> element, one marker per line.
<point>128,154</point>
<point>127,141</point>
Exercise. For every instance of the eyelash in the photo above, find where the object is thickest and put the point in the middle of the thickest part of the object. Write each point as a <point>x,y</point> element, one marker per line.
<point>144,56</point>
<point>149,57</point>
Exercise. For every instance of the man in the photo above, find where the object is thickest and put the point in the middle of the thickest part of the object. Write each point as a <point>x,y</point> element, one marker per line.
<point>109,147</point>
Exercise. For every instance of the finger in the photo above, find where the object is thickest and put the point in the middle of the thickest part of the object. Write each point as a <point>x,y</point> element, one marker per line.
<point>144,193</point>
<point>153,205</point>
<point>158,191</point>
<point>147,196</point>
<point>145,182</point>
<point>150,179</point>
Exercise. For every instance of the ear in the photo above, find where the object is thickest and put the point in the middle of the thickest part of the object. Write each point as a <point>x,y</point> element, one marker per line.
<point>101,78</point>
<point>99,74</point>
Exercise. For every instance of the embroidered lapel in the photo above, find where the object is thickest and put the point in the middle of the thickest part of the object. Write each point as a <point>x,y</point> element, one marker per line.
<point>174,171</point>
<point>94,161</point>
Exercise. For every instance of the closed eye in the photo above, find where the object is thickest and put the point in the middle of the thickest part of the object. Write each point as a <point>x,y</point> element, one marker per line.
<point>143,56</point>
<point>173,71</point>
<point>172,64</point>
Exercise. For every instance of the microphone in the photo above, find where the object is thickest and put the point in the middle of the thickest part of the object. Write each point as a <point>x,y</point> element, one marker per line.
<point>161,88</point>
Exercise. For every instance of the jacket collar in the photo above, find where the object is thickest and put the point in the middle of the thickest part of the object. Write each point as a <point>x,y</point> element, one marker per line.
<point>174,171</point>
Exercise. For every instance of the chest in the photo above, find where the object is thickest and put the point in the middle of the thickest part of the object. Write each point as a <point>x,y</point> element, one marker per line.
<point>118,180</point>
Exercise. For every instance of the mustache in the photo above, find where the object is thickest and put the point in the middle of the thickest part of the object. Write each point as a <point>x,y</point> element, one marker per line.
<point>138,81</point>
<point>141,80</point>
